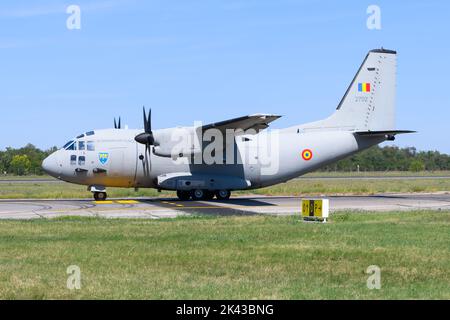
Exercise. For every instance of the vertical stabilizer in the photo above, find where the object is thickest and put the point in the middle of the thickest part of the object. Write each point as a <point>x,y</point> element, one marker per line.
<point>369,102</point>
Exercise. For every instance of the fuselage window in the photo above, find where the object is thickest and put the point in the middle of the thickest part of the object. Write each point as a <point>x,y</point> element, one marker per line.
<point>90,146</point>
<point>81,145</point>
<point>90,133</point>
<point>81,160</point>
<point>73,160</point>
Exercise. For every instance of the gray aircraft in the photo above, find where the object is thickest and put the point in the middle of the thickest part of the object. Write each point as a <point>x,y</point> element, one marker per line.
<point>205,161</point>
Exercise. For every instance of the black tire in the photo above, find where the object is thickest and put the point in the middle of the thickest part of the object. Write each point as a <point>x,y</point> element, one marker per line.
<point>198,194</point>
<point>183,195</point>
<point>100,196</point>
<point>209,195</point>
<point>223,194</point>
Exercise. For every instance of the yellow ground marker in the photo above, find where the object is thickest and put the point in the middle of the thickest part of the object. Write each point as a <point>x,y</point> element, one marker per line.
<point>127,201</point>
<point>117,201</point>
<point>104,202</point>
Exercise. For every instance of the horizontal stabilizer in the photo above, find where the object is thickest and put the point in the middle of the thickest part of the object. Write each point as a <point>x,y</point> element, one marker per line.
<point>382,133</point>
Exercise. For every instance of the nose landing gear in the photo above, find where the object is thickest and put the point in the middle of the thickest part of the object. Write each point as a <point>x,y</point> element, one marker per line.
<point>99,192</point>
<point>100,196</point>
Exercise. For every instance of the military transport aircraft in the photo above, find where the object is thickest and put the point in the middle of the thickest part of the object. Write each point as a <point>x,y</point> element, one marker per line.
<point>203,161</point>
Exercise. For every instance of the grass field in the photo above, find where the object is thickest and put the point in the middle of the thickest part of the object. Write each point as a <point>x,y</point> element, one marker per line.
<point>332,186</point>
<point>228,257</point>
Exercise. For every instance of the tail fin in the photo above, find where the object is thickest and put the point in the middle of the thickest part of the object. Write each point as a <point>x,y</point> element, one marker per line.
<point>369,102</point>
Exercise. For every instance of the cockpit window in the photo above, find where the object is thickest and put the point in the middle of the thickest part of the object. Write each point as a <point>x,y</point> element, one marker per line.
<point>90,133</point>
<point>80,136</point>
<point>81,145</point>
<point>71,146</point>
<point>67,144</point>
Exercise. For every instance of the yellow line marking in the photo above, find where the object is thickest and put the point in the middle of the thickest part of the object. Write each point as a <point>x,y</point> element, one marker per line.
<point>103,202</point>
<point>180,205</point>
<point>127,201</point>
<point>206,207</point>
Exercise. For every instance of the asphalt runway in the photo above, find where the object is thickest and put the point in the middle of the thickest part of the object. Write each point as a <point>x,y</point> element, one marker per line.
<point>157,208</point>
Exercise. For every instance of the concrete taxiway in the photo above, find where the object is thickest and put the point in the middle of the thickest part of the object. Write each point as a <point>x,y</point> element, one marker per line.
<point>155,208</point>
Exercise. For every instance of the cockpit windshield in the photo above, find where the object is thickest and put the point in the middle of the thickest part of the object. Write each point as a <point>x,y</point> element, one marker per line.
<point>68,144</point>
<point>71,145</point>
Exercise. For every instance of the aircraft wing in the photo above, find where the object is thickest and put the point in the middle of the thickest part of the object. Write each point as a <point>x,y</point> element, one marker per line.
<point>256,122</point>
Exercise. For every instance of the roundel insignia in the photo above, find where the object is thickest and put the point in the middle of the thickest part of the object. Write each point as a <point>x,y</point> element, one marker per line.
<point>307,154</point>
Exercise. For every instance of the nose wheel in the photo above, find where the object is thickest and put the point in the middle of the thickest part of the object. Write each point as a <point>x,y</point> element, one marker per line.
<point>100,196</point>
<point>99,192</point>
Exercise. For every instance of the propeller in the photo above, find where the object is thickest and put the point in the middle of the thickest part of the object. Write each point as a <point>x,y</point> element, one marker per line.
<point>146,137</point>
<point>117,125</point>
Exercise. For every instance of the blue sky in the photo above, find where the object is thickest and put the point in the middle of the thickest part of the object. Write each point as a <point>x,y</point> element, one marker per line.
<point>211,60</point>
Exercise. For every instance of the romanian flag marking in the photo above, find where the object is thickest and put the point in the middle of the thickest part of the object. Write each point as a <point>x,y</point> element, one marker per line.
<point>364,87</point>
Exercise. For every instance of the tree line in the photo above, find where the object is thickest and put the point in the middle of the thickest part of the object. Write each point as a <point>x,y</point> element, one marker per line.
<point>392,158</point>
<point>23,161</point>
<point>28,160</point>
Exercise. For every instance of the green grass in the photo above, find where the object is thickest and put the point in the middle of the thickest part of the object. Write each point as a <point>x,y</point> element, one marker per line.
<point>62,190</point>
<point>439,173</point>
<point>355,186</point>
<point>228,257</point>
<point>48,190</point>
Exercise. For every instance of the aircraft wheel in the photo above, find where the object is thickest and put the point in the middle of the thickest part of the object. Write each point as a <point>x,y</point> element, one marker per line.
<point>183,195</point>
<point>209,195</point>
<point>223,194</point>
<point>198,194</point>
<point>100,196</point>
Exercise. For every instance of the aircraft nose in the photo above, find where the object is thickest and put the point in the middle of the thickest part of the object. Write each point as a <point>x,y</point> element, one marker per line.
<point>50,165</point>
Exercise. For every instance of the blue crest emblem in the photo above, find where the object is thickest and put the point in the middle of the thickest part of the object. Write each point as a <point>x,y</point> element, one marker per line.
<point>103,157</point>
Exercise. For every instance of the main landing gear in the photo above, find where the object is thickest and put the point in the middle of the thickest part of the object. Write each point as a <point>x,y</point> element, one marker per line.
<point>200,194</point>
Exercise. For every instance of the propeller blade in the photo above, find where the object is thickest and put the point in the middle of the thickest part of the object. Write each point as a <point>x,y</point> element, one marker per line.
<point>119,126</point>
<point>115,124</point>
<point>145,120</point>
<point>147,136</point>
<point>149,125</point>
